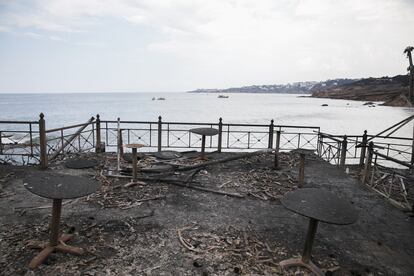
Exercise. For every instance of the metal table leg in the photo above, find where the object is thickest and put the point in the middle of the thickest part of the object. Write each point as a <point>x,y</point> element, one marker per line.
<point>54,242</point>
<point>305,261</point>
<point>301,170</point>
<point>134,164</point>
<point>203,147</point>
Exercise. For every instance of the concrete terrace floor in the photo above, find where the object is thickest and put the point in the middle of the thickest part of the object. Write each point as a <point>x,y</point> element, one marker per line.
<point>381,242</point>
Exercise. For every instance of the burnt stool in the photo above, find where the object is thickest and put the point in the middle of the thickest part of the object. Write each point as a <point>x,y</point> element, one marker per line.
<point>134,148</point>
<point>302,156</point>
<point>57,187</point>
<point>317,205</point>
<point>204,131</point>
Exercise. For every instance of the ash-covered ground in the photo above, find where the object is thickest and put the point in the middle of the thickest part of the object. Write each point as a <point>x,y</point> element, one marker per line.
<point>222,219</point>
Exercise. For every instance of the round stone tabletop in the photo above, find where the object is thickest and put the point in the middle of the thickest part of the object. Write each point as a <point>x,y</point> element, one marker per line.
<point>206,131</point>
<point>80,163</point>
<point>304,151</point>
<point>320,205</point>
<point>136,146</point>
<point>60,186</point>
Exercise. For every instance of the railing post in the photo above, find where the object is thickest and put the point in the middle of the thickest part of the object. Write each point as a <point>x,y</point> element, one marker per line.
<point>119,143</point>
<point>320,144</point>
<point>271,130</point>
<point>98,147</point>
<point>412,148</point>
<point>1,144</point>
<point>277,149</point>
<point>159,133</point>
<point>368,162</point>
<point>301,178</point>
<point>220,134</point>
<point>278,133</point>
<point>344,148</point>
<point>363,149</point>
<point>42,141</point>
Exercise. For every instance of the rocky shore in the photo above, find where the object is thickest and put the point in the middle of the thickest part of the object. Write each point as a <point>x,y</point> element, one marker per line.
<point>393,91</point>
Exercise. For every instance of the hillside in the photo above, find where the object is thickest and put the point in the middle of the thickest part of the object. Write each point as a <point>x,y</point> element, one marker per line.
<point>391,90</point>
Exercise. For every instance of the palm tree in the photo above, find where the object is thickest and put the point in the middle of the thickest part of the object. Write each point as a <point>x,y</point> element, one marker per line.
<point>411,70</point>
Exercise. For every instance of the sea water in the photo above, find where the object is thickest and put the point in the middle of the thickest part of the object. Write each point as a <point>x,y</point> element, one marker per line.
<point>338,117</point>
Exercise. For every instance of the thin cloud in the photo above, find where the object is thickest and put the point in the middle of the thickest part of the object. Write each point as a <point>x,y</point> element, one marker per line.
<point>221,43</point>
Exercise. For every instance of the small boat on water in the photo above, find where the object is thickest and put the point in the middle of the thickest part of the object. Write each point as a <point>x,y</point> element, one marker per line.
<point>222,96</point>
<point>161,99</point>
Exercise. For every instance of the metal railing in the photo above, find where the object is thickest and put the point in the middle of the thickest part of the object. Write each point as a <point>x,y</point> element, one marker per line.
<point>71,139</point>
<point>33,142</point>
<point>231,137</point>
<point>390,182</point>
<point>351,149</point>
<point>19,142</point>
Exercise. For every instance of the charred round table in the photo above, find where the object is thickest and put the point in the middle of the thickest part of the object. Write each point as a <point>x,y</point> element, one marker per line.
<point>134,148</point>
<point>317,205</point>
<point>204,131</point>
<point>57,187</point>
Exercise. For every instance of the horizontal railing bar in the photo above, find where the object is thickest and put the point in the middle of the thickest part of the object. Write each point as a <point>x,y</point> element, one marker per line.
<point>19,122</point>
<point>292,126</point>
<point>307,133</point>
<point>18,131</point>
<point>245,125</point>
<point>360,136</point>
<point>214,123</point>
<point>129,122</point>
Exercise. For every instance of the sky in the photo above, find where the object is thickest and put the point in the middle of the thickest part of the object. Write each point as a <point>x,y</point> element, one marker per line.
<point>180,45</point>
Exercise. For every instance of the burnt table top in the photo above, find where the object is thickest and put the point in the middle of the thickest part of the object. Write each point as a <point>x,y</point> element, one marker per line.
<point>60,186</point>
<point>304,151</point>
<point>134,146</point>
<point>80,163</point>
<point>321,205</point>
<point>206,131</point>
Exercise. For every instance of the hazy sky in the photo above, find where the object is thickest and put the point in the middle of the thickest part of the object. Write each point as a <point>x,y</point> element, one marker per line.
<point>152,46</point>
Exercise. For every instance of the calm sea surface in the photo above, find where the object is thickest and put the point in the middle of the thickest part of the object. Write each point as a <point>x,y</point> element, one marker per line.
<point>339,117</point>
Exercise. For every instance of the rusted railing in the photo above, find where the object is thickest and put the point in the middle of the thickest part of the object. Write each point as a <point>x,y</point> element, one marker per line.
<point>390,182</point>
<point>19,142</point>
<point>351,149</point>
<point>231,137</point>
<point>32,141</point>
<point>70,139</point>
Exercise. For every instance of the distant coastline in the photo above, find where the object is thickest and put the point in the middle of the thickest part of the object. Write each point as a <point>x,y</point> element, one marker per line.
<point>392,91</point>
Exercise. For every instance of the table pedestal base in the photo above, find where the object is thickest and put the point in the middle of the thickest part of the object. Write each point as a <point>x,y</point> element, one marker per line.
<point>48,249</point>
<point>305,260</point>
<point>299,262</point>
